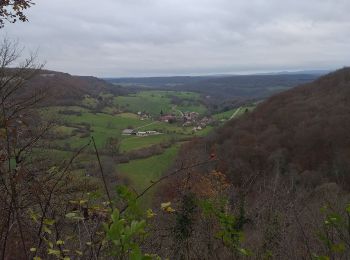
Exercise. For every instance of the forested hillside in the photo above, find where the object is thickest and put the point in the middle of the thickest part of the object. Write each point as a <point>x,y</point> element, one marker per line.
<point>248,160</point>
<point>65,89</point>
<point>224,87</point>
<point>303,130</point>
<point>271,183</point>
<point>284,170</point>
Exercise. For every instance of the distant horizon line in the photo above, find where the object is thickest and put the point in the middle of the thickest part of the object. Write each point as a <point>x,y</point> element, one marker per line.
<point>242,73</point>
<point>282,72</point>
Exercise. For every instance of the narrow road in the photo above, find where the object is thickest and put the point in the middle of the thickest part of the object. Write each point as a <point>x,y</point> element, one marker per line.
<point>235,113</point>
<point>146,125</point>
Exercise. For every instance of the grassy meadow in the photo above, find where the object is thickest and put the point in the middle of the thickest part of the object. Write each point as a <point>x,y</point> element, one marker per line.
<point>153,102</point>
<point>75,125</point>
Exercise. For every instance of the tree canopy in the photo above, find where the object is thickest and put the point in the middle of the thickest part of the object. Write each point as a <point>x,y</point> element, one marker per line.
<point>13,11</point>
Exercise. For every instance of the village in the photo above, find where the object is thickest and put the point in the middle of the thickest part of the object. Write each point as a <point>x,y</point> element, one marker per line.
<point>186,119</point>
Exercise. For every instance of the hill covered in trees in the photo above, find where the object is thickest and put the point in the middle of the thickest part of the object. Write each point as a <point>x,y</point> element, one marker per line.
<point>65,89</point>
<point>303,130</point>
<point>284,170</point>
<point>290,162</point>
<point>224,87</point>
<point>272,184</point>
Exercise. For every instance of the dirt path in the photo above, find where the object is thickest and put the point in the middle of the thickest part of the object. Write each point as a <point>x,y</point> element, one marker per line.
<point>146,125</point>
<point>235,113</point>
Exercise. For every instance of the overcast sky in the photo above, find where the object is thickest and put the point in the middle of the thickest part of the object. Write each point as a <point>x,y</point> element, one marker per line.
<point>186,37</point>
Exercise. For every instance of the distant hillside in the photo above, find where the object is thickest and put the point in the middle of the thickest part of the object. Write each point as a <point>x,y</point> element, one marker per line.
<point>224,87</point>
<point>158,82</point>
<point>291,157</point>
<point>306,128</point>
<point>287,164</point>
<point>63,88</point>
<point>250,86</point>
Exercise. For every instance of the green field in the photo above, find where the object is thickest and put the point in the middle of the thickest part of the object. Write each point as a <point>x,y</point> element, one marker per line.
<point>227,114</point>
<point>153,102</point>
<point>135,142</point>
<point>75,126</point>
<point>141,172</point>
<point>224,115</point>
<point>102,125</point>
<point>172,134</point>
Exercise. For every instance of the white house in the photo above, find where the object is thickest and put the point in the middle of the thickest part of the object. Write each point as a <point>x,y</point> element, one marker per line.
<point>141,133</point>
<point>151,132</point>
<point>127,131</point>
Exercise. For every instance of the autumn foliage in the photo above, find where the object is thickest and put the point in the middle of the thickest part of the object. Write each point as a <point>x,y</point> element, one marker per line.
<point>303,131</point>
<point>13,10</point>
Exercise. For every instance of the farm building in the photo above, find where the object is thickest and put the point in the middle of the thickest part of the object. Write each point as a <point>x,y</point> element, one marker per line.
<point>167,118</point>
<point>128,131</point>
<point>141,134</point>
<point>145,133</point>
<point>152,132</point>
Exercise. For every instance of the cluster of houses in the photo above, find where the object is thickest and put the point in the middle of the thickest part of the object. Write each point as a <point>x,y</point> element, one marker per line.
<point>143,115</point>
<point>188,119</point>
<point>168,118</point>
<point>139,133</point>
<point>200,125</point>
<point>190,116</point>
<point>192,119</point>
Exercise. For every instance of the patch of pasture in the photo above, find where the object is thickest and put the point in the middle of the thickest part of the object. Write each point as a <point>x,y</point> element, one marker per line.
<point>141,172</point>
<point>153,102</point>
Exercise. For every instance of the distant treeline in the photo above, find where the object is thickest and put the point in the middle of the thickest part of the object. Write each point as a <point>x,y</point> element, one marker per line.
<point>223,87</point>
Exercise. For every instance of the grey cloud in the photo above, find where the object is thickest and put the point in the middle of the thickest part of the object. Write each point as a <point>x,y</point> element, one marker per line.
<point>167,37</point>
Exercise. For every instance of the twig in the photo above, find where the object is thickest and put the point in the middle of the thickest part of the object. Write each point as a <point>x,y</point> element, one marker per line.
<point>102,173</point>
<point>7,231</point>
<point>53,189</point>
<point>302,231</point>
